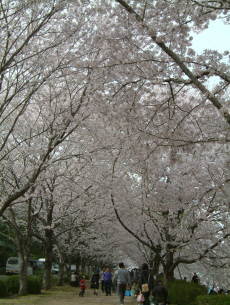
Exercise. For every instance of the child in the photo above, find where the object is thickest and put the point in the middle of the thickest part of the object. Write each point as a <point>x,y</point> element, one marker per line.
<point>82,284</point>
<point>135,291</point>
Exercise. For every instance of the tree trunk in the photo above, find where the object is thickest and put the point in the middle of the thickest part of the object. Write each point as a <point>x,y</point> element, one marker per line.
<point>68,268</point>
<point>78,263</point>
<point>168,276</point>
<point>48,260</point>
<point>156,262</point>
<point>88,270</point>
<point>23,279</point>
<point>168,273</point>
<point>60,274</point>
<point>83,269</point>
<point>23,247</point>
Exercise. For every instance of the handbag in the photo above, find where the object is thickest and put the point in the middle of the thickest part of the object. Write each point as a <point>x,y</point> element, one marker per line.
<point>145,287</point>
<point>140,298</point>
<point>128,293</point>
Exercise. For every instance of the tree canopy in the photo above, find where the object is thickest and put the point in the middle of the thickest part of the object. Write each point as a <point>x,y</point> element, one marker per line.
<point>109,122</point>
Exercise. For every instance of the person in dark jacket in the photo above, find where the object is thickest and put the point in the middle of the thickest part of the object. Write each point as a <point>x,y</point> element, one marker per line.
<point>195,278</point>
<point>160,291</point>
<point>95,281</point>
<point>146,278</point>
<point>134,274</point>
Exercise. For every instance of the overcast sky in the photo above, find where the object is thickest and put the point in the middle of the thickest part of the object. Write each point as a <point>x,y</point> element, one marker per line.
<point>216,37</point>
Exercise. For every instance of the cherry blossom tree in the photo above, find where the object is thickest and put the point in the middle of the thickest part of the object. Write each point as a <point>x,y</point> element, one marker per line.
<point>169,26</point>
<point>40,45</point>
<point>107,108</point>
<point>20,223</point>
<point>177,194</point>
<point>38,114</point>
<point>157,115</point>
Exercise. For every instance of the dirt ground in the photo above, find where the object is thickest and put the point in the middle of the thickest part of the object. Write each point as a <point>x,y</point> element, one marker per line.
<point>67,295</point>
<point>70,298</point>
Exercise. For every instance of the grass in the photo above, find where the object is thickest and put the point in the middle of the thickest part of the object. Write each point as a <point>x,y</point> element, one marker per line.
<point>37,299</point>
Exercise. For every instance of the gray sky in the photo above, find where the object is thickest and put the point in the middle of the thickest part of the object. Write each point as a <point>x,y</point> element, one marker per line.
<point>216,37</point>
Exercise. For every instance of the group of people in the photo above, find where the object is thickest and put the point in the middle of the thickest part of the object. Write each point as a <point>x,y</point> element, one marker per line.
<point>147,288</point>
<point>105,278</point>
<point>75,282</point>
<point>134,280</point>
<point>137,283</point>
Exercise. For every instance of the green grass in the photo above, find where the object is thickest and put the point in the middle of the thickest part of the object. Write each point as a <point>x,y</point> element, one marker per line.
<point>37,299</point>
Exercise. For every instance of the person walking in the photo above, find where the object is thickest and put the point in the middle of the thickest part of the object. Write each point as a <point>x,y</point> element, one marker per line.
<point>82,285</point>
<point>146,278</point>
<point>160,291</point>
<point>122,278</point>
<point>74,281</point>
<point>107,281</point>
<point>95,281</point>
<point>112,285</point>
<point>135,291</point>
<point>102,279</point>
<point>134,274</point>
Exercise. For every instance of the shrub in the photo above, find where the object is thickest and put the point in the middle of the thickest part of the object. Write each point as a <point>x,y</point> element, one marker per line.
<point>3,288</point>
<point>213,300</point>
<point>160,278</point>
<point>65,279</point>
<point>12,284</point>
<point>85,275</point>
<point>34,284</point>
<point>39,274</point>
<point>182,292</point>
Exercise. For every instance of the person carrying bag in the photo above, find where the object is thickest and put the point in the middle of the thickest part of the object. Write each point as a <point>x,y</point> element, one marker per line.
<point>145,283</point>
<point>140,298</point>
<point>145,286</point>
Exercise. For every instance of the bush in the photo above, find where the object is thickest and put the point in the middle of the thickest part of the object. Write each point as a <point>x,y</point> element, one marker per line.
<point>34,284</point>
<point>12,284</point>
<point>85,275</point>
<point>213,300</point>
<point>39,274</point>
<point>182,292</point>
<point>3,288</point>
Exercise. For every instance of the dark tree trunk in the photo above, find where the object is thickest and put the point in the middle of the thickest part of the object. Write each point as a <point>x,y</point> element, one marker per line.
<point>60,274</point>
<point>78,263</point>
<point>168,272</point>
<point>156,262</point>
<point>83,269</point>
<point>68,268</point>
<point>23,279</point>
<point>23,247</point>
<point>48,260</point>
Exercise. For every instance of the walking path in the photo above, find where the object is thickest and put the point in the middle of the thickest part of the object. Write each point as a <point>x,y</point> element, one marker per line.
<point>70,298</point>
<point>67,295</point>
